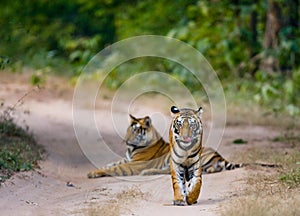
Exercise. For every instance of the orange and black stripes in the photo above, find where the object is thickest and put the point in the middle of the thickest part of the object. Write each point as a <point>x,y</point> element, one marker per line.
<point>148,154</point>
<point>185,149</point>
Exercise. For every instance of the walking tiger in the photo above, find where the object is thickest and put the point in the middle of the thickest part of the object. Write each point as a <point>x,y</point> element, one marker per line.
<point>185,136</point>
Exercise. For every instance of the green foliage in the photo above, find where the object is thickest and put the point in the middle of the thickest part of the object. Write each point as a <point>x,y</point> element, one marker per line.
<point>18,149</point>
<point>120,74</point>
<point>134,18</point>
<point>64,35</point>
<point>289,160</point>
<point>39,77</point>
<point>76,30</point>
<point>4,61</point>
<point>232,44</point>
<point>68,30</point>
<point>274,91</point>
<point>278,92</point>
<point>14,159</point>
<point>292,177</point>
<point>209,28</point>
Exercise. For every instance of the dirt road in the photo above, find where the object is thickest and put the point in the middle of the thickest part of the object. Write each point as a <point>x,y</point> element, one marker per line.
<point>60,186</point>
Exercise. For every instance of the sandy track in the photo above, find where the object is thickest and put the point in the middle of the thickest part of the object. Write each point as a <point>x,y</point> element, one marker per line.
<point>45,191</point>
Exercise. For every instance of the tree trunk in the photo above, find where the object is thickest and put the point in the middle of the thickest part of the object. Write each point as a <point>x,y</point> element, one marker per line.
<point>254,43</point>
<point>273,25</point>
<point>270,43</point>
<point>253,29</point>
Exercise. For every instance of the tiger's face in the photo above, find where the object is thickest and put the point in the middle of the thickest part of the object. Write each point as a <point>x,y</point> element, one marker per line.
<point>140,133</point>
<point>186,126</point>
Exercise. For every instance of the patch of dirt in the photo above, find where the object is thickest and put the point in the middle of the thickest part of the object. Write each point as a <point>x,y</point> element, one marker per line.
<point>60,186</point>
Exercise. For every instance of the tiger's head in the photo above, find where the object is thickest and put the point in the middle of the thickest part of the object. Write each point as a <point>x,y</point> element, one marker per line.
<point>141,133</point>
<point>186,126</point>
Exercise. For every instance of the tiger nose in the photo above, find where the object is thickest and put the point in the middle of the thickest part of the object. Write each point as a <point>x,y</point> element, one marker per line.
<point>186,132</point>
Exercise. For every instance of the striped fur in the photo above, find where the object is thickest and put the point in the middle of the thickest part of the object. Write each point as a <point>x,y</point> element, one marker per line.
<point>149,154</point>
<point>186,148</point>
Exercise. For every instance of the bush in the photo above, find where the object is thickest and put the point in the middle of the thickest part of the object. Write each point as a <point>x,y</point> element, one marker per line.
<point>18,149</point>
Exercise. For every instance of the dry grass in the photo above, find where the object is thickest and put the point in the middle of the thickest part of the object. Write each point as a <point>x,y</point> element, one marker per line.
<point>116,205</point>
<point>269,191</point>
<point>109,209</point>
<point>266,206</point>
<point>253,114</point>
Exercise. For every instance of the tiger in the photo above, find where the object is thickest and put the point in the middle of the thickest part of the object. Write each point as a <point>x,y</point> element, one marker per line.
<point>185,135</point>
<point>149,154</point>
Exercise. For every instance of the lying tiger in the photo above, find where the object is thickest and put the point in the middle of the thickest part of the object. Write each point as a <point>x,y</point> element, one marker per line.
<point>148,154</point>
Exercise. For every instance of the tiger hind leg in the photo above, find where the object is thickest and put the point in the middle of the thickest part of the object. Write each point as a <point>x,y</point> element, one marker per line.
<point>127,169</point>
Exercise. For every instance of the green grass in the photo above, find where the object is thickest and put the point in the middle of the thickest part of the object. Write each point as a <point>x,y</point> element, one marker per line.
<point>292,177</point>
<point>18,149</point>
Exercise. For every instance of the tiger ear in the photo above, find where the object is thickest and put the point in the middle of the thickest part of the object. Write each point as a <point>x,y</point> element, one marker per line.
<point>132,118</point>
<point>174,110</point>
<point>147,121</point>
<point>199,112</point>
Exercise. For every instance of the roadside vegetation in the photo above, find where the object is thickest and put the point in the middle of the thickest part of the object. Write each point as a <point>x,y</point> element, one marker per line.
<point>18,148</point>
<point>270,191</point>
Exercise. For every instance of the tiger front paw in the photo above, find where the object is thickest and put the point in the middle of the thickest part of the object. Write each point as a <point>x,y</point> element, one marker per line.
<point>178,202</point>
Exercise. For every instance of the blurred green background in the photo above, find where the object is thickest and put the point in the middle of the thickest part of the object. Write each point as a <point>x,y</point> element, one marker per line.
<point>254,46</point>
